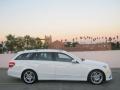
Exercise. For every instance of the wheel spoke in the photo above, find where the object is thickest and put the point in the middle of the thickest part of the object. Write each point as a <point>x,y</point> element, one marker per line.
<point>96,77</point>
<point>29,77</point>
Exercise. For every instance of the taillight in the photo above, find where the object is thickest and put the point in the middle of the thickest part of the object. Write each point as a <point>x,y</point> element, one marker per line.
<point>11,64</point>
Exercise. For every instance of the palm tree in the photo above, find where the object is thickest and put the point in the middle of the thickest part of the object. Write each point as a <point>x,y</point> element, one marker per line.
<point>76,39</point>
<point>106,39</point>
<point>32,43</point>
<point>81,38</point>
<point>65,40</point>
<point>110,39</point>
<point>91,38</point>
<point>113,39</point>
<point>19,43</point>
<point>10,42</point>
<point>73,40</point>
<point>2,47</point>
<point>117,37</point>
<point>27,39</point>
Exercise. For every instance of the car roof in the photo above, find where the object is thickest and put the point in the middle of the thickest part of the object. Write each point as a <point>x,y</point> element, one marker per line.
<point>42,50</point>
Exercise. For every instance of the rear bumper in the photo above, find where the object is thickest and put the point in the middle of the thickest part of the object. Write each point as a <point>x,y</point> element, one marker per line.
<point>12,73</point>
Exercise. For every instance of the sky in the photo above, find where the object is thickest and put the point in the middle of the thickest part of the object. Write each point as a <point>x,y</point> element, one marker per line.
<point>63,19</point>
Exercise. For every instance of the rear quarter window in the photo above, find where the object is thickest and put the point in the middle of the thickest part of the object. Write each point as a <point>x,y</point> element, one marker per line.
<point>24,56</point>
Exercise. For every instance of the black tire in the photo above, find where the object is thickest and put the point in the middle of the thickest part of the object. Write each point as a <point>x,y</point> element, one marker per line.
<point>96,77</point>
<point>29,76</point>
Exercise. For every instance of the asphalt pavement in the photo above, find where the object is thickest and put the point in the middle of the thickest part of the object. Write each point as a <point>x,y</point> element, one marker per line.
<point>10,83</point>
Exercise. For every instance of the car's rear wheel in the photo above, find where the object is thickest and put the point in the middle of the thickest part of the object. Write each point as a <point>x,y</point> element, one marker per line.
<point>96,77</point>
<point>29,76</point>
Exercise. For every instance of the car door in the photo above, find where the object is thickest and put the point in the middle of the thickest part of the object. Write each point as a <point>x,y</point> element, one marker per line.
<point>46,68</point>
<point>65,69</point>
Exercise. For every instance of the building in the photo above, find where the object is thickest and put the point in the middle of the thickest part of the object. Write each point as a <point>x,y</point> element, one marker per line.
<point>56,45</point>
<point>48,39</point>
<point>80,47</point>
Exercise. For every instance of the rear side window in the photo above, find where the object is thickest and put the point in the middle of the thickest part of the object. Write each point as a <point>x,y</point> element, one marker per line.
<point>25,56</point>
<point>36,56</point>
<point>43,56</point>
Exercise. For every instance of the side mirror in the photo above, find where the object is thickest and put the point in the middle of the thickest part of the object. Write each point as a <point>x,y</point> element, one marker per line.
<point>75,61</point>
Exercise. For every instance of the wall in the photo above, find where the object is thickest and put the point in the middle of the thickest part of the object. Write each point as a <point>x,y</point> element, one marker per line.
<point>110,57</point>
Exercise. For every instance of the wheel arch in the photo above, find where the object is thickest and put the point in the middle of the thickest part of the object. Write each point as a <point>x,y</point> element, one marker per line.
<point>96,70</point>
<point>30,70</point>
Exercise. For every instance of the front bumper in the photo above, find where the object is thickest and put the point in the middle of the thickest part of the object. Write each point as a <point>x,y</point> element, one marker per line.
<point>109,78</point>
<point>108,74</point>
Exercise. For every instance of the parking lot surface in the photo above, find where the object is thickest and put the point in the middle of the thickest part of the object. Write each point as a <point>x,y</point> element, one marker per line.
<point>9,83</point>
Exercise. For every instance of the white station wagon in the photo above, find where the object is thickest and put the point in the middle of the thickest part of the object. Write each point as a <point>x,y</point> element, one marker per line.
<point>49,64</point>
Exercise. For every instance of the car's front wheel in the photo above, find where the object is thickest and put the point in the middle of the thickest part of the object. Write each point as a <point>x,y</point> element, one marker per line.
<point>29,76</point>
<point>96,77</point>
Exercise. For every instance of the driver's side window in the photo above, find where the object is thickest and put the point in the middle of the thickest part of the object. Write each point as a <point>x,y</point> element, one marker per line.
<point>63,57</point>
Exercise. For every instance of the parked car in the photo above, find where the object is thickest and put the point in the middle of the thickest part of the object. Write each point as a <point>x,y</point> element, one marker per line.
<point>50,64</point>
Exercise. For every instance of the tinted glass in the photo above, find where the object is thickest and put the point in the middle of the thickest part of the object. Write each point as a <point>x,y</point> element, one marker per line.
<point>63,57</point>
<point>43,56</point>
<point>25,56</point>
<point>36,56</point>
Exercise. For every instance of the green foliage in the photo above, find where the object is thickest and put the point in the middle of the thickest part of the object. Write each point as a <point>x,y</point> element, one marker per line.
<point>115,46</point>
<point>11,43</point>
<point>23,43</point>
<point>0,48</point>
